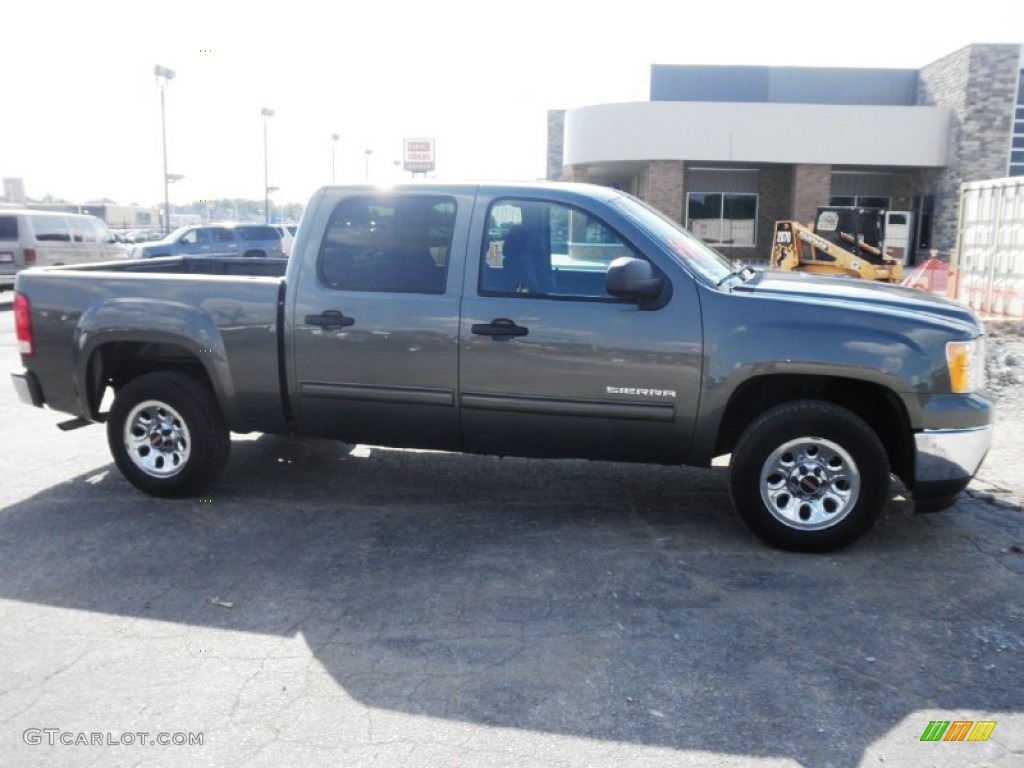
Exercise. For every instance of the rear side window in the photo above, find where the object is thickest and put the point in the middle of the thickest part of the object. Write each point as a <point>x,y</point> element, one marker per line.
<point>8,227</point>
<point>397,244</point>
<point>221,235</point>
<point>258,233</point>
<point>51,229</point>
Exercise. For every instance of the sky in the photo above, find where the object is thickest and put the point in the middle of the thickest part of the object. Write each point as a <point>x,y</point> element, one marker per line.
<point>81,109</point>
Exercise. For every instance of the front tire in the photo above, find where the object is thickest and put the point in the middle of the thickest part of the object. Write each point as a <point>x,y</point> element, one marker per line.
<point>809,476</point>
<point>167,435</point>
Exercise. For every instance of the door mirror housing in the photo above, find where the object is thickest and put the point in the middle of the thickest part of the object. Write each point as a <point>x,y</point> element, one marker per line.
<point>631,278</point>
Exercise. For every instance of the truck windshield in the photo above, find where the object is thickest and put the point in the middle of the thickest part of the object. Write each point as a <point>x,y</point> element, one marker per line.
<point>694,252</point>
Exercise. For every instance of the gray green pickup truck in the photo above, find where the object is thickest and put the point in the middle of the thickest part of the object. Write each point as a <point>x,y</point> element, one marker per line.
<point>537,319</point>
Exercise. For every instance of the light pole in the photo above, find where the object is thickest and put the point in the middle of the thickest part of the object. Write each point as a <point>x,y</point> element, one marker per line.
<point>269,190</point>
<point>163,77</point>
<point>334,147</point>
<point>367,154</point>
<point>267,114</point>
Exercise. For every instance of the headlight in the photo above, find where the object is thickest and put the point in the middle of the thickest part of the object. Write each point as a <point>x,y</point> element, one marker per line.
<point>966,361</point>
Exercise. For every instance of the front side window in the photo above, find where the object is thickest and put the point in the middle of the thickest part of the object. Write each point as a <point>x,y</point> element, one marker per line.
<point>544,249</point>
<point>191,237</point>
<point>388,243</point>
<point>86,230</point>
<point>723,218</point>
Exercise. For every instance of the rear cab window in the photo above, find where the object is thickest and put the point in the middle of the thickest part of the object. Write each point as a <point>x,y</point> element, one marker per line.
<point>397,244</point>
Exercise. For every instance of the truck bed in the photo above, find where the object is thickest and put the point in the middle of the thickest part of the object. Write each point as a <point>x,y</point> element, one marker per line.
<point>217,315</point>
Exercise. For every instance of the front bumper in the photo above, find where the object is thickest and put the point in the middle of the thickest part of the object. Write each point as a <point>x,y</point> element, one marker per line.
<point>28,389</point>
<point>949,456</point>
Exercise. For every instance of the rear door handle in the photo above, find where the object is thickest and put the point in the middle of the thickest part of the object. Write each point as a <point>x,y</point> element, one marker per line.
<point>329,319</point>
<point>500,329</point>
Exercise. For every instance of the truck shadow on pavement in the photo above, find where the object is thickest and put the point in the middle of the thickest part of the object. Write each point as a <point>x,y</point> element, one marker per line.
<point>604,601</point>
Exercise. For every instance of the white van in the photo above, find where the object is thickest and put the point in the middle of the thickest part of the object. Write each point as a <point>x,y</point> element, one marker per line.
<point>43,238</point>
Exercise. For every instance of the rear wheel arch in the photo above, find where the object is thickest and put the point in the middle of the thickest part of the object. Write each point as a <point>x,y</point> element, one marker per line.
<point>116,363</point>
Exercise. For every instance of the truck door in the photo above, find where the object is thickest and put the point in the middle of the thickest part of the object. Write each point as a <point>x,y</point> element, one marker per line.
<point>550,363</point>
<point>191,242</point>
<point>219,241</point>
<point>374,324</point>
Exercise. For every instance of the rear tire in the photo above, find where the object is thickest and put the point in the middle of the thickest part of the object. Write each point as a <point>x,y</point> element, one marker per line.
<point>809,476</point>
<point>167,435</point>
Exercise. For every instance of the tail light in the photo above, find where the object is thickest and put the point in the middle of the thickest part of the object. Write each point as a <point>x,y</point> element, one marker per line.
<point>23,325</point>
<point>30,256</point>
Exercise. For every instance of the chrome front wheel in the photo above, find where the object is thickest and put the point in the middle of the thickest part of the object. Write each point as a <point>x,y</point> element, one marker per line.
<point>810,483</point>
<point>809,475</point>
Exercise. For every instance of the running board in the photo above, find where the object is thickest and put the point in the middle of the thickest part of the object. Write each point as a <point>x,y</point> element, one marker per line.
<point>67,426</point>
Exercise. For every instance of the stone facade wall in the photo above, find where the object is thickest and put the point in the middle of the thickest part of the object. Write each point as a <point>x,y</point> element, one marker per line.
<point>775,202</point>
<point>556,143</point>
<point>812,186</point>
<point>665,187</point>
<point>978,84</point>
<point>574,173</point>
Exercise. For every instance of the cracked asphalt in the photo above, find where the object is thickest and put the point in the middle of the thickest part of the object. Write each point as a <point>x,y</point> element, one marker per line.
<point>331,605</point>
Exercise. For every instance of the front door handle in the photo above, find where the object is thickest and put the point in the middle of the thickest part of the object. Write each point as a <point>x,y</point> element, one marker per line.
<point>329,319</point>
<point>500,329</point>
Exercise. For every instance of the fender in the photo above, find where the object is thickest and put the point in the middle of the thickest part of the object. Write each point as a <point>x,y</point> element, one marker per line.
<point>894,353</point>
<point>157,321</point>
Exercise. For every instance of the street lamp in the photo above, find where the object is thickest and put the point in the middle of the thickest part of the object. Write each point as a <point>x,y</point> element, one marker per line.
<point>367,154</point>
<point>334,147</point>
<point>170,178</point>
<point>269,190</point>
<point>267,114</point>
<point>163,77</point>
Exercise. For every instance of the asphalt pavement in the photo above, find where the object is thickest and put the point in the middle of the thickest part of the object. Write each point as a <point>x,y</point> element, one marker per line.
<point>358,606</point>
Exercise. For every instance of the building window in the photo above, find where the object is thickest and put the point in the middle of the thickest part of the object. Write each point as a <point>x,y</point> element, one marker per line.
<point>724,219</point>
<point>1016,164</point>
<point>861,201</point>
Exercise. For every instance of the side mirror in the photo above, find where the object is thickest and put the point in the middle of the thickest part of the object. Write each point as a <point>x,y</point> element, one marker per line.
<point>630,278</point>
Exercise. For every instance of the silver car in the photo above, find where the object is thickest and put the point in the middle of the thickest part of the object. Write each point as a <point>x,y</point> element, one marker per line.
<point>250,240</point>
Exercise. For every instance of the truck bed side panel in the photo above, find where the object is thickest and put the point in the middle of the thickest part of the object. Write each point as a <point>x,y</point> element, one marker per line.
<point>228,324</point>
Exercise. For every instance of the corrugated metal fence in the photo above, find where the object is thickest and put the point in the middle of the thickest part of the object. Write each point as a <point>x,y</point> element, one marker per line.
<point>988,265</point>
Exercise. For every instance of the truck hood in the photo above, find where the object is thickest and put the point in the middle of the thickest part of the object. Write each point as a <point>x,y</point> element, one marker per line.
<point>804,287</point>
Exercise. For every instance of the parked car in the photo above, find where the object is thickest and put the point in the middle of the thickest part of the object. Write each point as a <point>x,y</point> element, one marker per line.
<point>48,238</point>
<point>252,240</point>
<point>287,237</point>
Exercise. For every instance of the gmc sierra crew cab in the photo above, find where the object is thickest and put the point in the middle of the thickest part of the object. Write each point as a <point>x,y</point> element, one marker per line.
<point>536,319</point>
